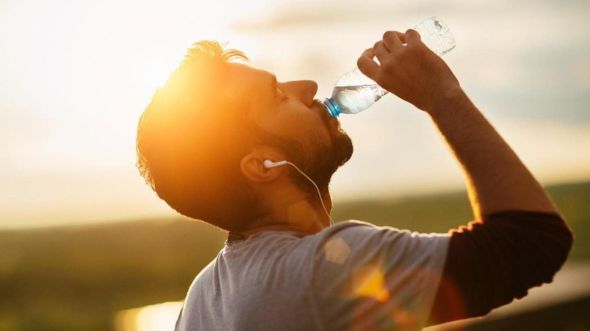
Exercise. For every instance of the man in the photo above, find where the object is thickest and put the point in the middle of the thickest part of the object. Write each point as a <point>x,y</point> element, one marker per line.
<point>203,146</point>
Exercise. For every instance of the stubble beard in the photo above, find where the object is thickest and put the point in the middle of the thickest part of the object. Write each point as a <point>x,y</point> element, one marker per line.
<point>322,162</point>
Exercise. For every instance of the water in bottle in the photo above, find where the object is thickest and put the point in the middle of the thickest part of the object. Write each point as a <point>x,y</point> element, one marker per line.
<point>355,92</point>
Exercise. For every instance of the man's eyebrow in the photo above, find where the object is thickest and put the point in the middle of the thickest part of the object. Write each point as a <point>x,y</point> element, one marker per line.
<point>274,83</point>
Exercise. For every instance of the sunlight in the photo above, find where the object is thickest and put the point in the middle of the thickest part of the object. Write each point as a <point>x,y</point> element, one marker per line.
<point>160,317</point>
<point>153,62</point>
<point>153,70</point>
<point>370,282</point>
<point>75,79</point>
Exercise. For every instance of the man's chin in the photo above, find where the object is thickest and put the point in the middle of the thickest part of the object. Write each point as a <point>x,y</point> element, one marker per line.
<point>324,164</point>
<point>341,142</point>
<point>340,152</point>
<point>343,147</point>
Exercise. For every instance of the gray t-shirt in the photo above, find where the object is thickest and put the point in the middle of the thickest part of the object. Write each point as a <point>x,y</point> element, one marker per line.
<point>350,276</point>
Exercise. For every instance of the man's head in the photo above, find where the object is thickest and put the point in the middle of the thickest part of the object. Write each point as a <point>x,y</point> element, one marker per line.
<point>202,140</point>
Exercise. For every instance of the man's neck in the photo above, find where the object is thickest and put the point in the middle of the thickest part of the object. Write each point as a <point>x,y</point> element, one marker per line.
<point>296,214</point>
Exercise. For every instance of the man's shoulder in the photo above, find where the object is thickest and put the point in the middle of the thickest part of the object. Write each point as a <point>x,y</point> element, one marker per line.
<point>352,229</point>
<point>356,227</point>
<point>348,225</point>
<point>355,239</point>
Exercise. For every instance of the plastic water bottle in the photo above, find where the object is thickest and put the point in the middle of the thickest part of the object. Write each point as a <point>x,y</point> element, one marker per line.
<point>355,92</point>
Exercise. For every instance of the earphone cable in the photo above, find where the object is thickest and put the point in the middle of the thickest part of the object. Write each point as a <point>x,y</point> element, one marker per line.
<point>316,188</point>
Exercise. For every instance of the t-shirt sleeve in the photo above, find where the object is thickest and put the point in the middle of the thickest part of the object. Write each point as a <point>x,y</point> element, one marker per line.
<point>376,278</point>
<point>492,261</point>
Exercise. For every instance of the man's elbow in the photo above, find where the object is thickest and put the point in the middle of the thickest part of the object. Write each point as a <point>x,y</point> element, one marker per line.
<point>554,249</point>
<point>562,244</point>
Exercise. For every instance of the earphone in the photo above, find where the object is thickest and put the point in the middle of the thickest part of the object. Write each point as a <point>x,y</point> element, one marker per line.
<point>268,164</point>
<point>271,164</point>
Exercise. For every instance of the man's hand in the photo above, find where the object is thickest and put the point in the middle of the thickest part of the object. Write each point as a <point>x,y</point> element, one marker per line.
<point>410,70</point>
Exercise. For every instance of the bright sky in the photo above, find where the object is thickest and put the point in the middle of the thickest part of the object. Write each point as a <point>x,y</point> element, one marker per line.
<point>75,76</point>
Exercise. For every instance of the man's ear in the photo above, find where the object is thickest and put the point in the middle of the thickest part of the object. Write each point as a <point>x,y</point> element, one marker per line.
<point>252,166</point>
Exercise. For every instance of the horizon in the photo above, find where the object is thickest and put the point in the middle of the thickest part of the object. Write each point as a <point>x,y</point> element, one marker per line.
<point>173,216</point>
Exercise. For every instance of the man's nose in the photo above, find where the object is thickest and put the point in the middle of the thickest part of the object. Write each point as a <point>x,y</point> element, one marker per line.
<point>304,90</point>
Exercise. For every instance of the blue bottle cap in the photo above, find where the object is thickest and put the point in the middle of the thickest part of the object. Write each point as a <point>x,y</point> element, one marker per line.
<point>332,107</point>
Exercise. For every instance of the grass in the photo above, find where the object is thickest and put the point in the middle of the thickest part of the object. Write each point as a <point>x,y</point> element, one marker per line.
<point>75,278</point>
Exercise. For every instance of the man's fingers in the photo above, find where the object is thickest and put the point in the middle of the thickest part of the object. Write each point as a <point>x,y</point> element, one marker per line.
<point>393,39</point>
<point>381,52</point>
<point>367,65</point>
<point>412,36</point>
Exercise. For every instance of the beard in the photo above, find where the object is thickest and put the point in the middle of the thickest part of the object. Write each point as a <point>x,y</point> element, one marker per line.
<point>318,161</point>
<point>323,161</point>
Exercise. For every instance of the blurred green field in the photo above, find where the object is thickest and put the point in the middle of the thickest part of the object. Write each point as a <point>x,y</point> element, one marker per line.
<point>77,277</point>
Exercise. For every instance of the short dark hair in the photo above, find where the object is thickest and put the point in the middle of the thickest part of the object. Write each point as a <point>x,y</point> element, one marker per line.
<point>191,137</point>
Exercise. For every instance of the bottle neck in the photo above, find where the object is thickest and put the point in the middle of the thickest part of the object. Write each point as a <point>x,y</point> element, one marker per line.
<point>332,107</point>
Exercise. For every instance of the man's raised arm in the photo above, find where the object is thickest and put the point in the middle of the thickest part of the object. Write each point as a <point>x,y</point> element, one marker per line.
<point>497,179</point>
<point>518,239</point>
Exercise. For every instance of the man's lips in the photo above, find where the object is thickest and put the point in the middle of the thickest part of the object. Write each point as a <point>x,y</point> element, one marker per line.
<point>332,124</point>
<point>326,118</point>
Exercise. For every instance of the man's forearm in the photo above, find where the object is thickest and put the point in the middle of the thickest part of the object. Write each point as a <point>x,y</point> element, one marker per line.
<point>497,180</point>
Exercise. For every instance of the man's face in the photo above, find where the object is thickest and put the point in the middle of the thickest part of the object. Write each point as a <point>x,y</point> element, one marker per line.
<point>289,118</point>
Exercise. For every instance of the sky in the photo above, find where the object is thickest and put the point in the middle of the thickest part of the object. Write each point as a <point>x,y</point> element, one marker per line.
<point>76,75</point>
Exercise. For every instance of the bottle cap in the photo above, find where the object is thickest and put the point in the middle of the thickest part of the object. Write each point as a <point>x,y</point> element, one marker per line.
<point>332,107</point>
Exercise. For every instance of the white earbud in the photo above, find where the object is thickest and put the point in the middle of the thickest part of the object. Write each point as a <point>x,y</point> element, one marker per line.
<point>271,164</point>
<point>268,164</point>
